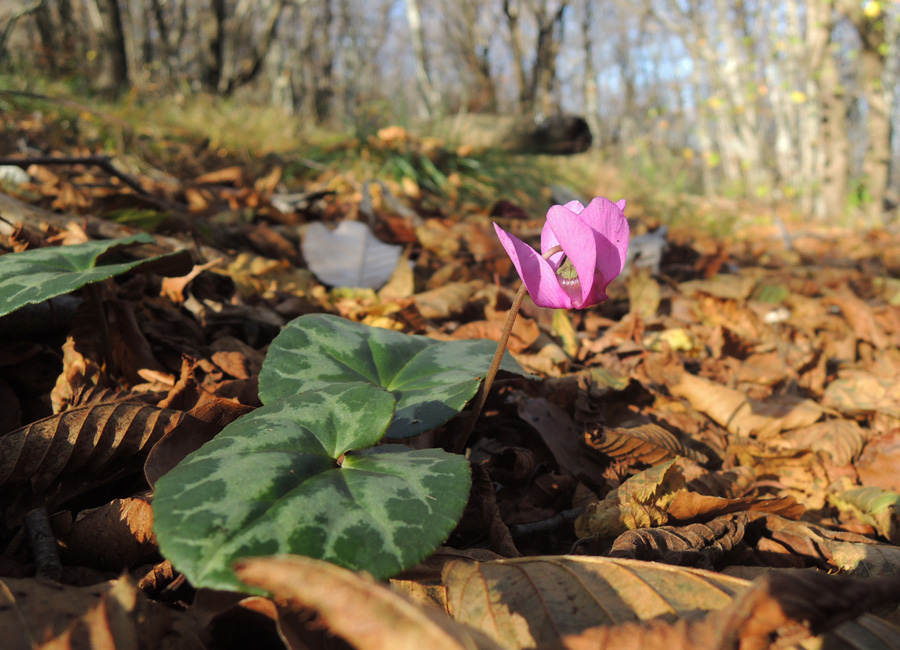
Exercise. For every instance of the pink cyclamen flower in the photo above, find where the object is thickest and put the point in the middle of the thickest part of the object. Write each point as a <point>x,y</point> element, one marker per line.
<point>583,249</point>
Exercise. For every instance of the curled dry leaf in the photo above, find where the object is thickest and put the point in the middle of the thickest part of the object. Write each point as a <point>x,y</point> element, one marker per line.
<point>872,505</point>
<point>558,432</point>
<point>840,438</point>
<point>649,444</point>
<point>87,439</point>
<point>354,607</point>
<point>116,536</point>
<point>742,415</point>
<point>639,502</point>
<point>110,615</point>
<point>704,546</point>
<point>687,505</point>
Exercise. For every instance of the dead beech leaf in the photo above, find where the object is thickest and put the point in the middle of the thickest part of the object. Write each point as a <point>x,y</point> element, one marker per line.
<point>686,506</point>
<point>526,602</point>
<point>857,392</point>
<point>447,301</point>
<point>525,332</point>
<point>79,369</point>
<point>557,430</point>
<point>116,536</point>
<point>649,444</point>
<point>841,439</point>
<point>742,415</point>
<point>640,502</point>
<point>861,319</point>
<point>356,608</point>
<point>877,464</point>
<point>643,293</point>
<point>814,545</point>
<point>571,603</point>
<point>44,615</point>
<point>704,546</point>
<point>86,439</point>
<point>874,506</point>
<point>228,175</point>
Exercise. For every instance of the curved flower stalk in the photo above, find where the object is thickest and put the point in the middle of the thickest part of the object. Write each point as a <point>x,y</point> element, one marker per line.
<point>583,249</point>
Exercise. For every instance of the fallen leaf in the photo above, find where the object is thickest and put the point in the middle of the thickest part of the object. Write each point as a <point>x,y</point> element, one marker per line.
<point>349,256</point>
<point>742,415</point>
<point>640,502</point>
<point>354,607</point>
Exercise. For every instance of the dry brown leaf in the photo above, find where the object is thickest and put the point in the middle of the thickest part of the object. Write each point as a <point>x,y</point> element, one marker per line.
<point>858,392</point>
<point>447,301</point>
<point>525,332</point>
<point>704,546</point>
<point>686,506</point>
<point>640,502</point>
<point>525,602</point>
<point>557,430</point>
<point>116,536</point>
<point>43,615</point>
<point>649,444</point>
<point>742,415</point>
<point>877,464</point>
<point>233,175</point>
<point>861,319</point>
<point>354,607</point>
<point>841,439</point>
<point>79,369</point>
<point>88,440</point>
<point>643,293</point>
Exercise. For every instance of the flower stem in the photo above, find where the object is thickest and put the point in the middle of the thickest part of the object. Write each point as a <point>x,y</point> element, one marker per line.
<point>492,372</point>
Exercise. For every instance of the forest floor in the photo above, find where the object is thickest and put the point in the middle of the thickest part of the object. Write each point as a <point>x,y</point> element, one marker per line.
<point>729,416</point>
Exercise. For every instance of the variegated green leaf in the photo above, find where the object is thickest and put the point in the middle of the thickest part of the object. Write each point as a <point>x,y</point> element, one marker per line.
<point>431,380</point>
<point>287,479</point>
<point>35,276</point>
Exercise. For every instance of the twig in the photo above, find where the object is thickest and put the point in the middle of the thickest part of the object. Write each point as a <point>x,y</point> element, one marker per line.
<point>43,544</point>
<point>103,162</point>
<point>545,525</point>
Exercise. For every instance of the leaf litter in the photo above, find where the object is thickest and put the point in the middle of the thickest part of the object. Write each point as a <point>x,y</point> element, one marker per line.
<point>693,460</point>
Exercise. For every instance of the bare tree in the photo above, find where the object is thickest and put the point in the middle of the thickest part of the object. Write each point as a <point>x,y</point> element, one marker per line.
<point>113,75</point>
<point>430,104</point>
<point>536,88</point>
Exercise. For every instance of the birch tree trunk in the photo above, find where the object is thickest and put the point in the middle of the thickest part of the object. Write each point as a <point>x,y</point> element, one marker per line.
<point>876,161</point>
<point>430,104</point>
<point>833,165</point>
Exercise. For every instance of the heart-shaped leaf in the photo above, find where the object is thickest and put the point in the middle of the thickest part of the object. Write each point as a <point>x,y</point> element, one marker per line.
<point>431,380</point>
<point>35,276</point>
<point>286,479</point>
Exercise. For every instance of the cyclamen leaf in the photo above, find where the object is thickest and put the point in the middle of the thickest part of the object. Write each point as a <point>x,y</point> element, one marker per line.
<point>272,483</point>
<point>35,276</point>
<point>431,380</point>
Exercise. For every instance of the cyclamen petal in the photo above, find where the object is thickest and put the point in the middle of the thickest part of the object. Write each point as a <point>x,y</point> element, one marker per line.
<point>538,275</point>
<point>593,237</point>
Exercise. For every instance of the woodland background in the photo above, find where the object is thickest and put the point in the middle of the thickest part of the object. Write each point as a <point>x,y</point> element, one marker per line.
<point>748,98</point>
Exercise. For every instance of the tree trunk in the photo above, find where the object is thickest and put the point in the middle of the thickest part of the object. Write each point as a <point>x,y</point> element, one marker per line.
<point>591,110</point>
<point>511,11</point>
<point>113,76</point>
<point>430,104</point>
<point>833,164</point>
<point>877,157</point>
